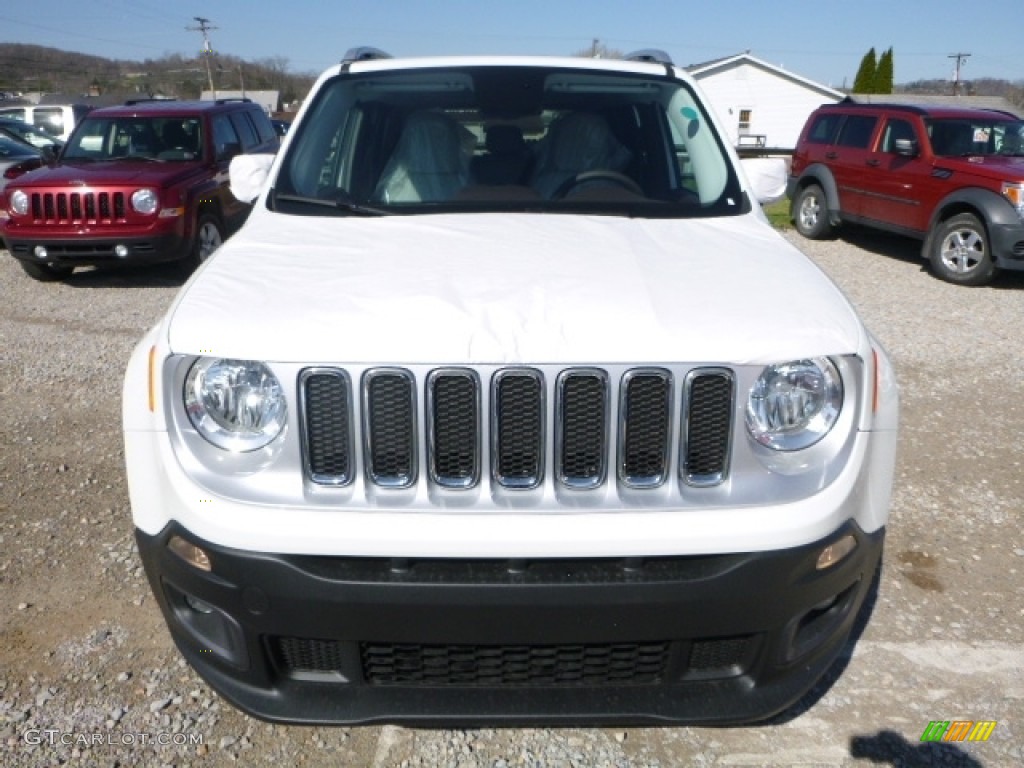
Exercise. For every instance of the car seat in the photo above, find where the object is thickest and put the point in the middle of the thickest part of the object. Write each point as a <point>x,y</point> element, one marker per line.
<point>428,163</point>
<point>576,143</point>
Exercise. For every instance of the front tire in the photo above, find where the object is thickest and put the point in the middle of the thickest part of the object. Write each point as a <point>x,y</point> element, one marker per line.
<point>45,273</point>
<point>960,251</point>
<point>209,237</point>
<point>810,213</point>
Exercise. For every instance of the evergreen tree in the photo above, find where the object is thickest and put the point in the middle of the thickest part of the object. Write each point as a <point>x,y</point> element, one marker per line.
<point>884,73</point>
<point>864,82</point>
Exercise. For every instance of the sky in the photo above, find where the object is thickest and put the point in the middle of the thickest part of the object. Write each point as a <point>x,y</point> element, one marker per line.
<point>823,41</point>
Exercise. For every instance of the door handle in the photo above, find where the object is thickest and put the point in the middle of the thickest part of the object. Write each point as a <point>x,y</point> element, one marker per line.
<point>873,162</point>
<point>831,155</point>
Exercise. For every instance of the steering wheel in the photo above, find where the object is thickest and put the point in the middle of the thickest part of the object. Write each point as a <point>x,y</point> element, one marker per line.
<point>586,177</point>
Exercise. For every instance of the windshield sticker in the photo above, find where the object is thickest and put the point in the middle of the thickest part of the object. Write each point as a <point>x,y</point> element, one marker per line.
<point>694,125</point>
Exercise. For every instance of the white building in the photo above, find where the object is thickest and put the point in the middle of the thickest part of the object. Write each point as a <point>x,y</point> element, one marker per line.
<point>266,99</point>
<point>760,104</point>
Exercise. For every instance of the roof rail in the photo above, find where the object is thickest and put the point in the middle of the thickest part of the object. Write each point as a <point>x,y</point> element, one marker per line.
<point>364,53</point>
<point>133,102</point>
<point>653,55</point>
<point>231,99</point>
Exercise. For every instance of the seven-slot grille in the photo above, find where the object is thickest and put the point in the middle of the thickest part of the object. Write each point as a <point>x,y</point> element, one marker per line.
<point>514,406</point>
<point>68,207</point>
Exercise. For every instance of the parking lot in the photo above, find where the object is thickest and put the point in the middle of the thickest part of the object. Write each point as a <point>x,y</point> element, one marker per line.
<point>88,674</point>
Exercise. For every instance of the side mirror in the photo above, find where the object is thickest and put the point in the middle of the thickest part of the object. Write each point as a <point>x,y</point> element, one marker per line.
<point>247,175</point>
<point>905,147</point>
<point>49,154</point>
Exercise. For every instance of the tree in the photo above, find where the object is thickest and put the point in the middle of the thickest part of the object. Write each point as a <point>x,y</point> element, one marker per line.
<point>864,82</point>
<point>884,73</point>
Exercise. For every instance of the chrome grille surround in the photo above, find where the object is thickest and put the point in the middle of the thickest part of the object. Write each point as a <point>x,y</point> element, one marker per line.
<point>518,416</point>
<point>325,400</point>
<point>390,441</point>
<point>645,413</point>
<point>709,398</point>
<point>453,427</point>
<point>581,427</point>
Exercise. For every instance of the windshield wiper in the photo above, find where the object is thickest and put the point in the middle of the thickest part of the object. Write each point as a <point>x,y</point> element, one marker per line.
<point>135,157</point>
<point>338,204</point>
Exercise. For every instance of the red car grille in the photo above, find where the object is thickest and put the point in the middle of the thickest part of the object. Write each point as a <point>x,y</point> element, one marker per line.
<point>75,207</point>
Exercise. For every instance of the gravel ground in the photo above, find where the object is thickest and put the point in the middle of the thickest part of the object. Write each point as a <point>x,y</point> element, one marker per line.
<point>88,674</point>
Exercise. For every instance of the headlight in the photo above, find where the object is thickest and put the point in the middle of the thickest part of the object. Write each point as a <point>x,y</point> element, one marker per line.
<point>237,405</point>
<point>1015,194</point>
<point>145,201</point>
<point>19,202</point>
<point>794,405</point>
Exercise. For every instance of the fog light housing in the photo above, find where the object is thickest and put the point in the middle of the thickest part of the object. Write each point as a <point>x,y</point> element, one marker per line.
<point>121,251</point>
<point>836,551</point>
<point>190,553</point>
<point>40,252</point>
<point>197,605</point>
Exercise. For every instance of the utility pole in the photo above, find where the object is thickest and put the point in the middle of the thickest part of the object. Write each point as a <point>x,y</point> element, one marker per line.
<point>207,52</point>
<point>961,60</point>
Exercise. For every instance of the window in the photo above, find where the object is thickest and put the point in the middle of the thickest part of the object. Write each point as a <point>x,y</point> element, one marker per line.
<point>896,129</point>
<point>857,131</point>
<point>243,126</point>
<point>224,136</point>
<point>745,120</point>
<point>823,130</point>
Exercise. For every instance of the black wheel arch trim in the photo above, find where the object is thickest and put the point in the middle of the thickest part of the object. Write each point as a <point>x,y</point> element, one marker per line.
<point>819,173</point>
<point>990,208</point>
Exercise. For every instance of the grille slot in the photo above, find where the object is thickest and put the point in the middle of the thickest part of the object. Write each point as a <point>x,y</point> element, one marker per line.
<point>389,397</point>
<point>454,428</point>
<point>644,426</point>
<point>709,396</point>
<point>583,428</point>
<point>514,665</point>
<point>518,414</point>
<point>327,406</point>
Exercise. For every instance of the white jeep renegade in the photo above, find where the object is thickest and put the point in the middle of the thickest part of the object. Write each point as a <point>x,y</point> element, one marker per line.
<point>508,406</point>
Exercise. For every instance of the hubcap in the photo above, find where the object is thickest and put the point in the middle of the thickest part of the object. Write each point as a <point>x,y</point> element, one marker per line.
<point>209,241</point>
<point>962,251</point>
<point>810,209</point>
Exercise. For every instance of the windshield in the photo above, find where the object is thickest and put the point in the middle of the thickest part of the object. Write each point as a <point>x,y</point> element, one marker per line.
<point>507,138</point>
<point>976,137</point>
<point>155,138</point>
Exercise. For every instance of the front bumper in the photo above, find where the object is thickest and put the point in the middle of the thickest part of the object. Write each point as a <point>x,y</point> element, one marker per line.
<point>719,639</point>
<point>83,251</point>
<point>1008,245</point>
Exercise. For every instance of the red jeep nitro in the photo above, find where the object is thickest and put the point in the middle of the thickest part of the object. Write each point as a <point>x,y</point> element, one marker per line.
<point>140,183</point>
<point>951,177</point>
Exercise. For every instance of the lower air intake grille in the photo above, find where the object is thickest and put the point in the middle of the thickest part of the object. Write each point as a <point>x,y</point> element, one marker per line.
<point>514,665</point>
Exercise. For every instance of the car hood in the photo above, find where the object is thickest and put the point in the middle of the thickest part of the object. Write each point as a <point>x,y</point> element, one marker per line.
<point>501,288</point>
<point>1010,167</point>
<point>112,173</point>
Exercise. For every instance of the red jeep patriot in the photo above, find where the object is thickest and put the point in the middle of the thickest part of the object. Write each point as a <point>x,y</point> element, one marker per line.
<point>952,177</point>
<point>140,183</point>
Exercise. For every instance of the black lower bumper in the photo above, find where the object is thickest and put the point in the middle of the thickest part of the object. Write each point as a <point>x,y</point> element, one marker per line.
<point>84,251</point>
<point>712,639</point>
